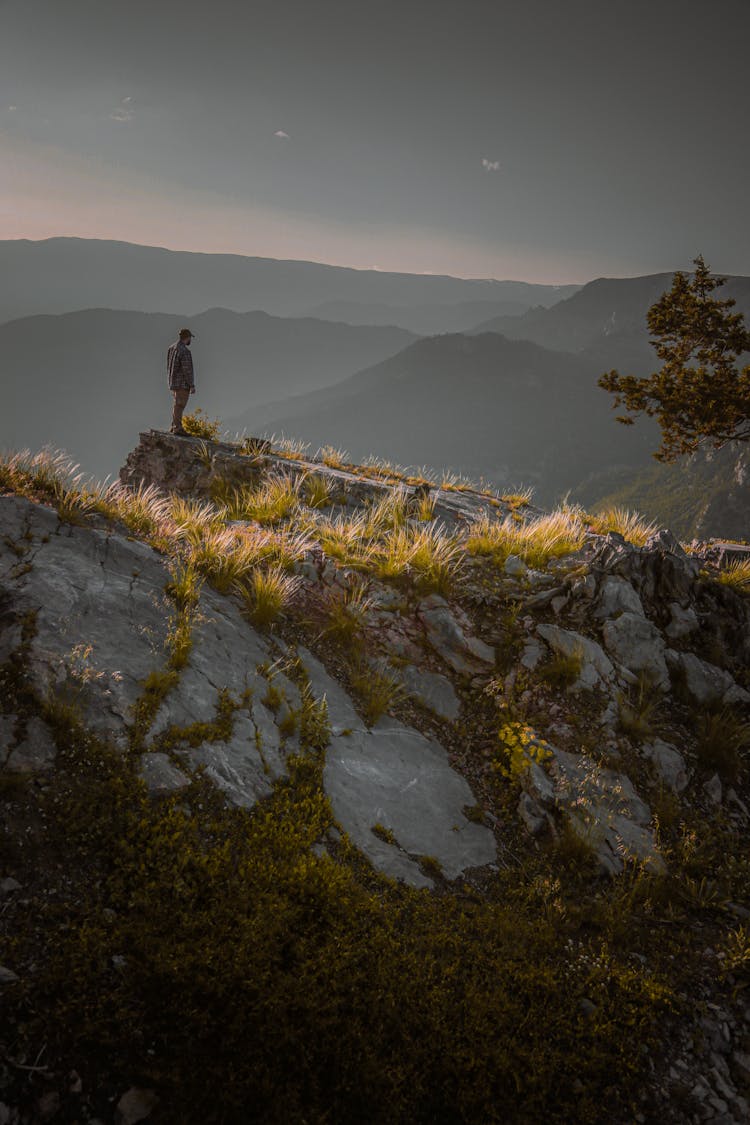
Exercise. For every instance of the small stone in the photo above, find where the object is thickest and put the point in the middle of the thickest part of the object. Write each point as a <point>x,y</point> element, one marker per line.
<point>48,1105</point>
<point>8,885</point>
<point>558,604</point>
<point>531,814</point>
<point>515,567</point>
<point>7,976</point>
<point>135,1105</point>
<point>668,763</point>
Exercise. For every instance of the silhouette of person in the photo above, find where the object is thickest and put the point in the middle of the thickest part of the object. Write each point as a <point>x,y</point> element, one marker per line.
<point>181,376</point>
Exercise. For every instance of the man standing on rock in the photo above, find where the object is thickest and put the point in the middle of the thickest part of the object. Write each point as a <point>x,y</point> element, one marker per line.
<point>181,377</point>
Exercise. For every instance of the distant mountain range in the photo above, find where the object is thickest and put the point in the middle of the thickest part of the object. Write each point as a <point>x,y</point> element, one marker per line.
<point>506,410</point>
<point>89,381</point>
<point>603,313</point>
<point>59,275</point>
<point>429,320</point>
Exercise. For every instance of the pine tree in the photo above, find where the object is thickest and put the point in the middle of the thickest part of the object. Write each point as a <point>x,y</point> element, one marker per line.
<point>699,396</point>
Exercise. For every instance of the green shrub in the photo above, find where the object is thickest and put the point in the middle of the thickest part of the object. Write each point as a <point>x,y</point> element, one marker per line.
<point>198,424</point>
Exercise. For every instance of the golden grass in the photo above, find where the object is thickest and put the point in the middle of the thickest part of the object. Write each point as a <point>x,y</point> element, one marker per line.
<point>273,500</point>
<point>267,593</point>
<point>333,457</point>
<point>631,525</point>
<point>736,575</point>
<point>536,541</point>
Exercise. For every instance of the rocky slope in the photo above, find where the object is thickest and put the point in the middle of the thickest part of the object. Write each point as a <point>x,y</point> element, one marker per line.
<point>550,741</point>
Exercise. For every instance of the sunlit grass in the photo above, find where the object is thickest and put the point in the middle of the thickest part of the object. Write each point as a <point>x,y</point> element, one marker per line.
<point>317,490</point>
<point>536,541</point>
<point>193,518</point>
<point>333,457</point>
<point>346,615</point>
<point>292,448</point>
<point>736,575</point>
<point>273,500</point>
<point>266,593</point>
<point>428,554</point>
<point>631,525</point>
<point>377,692</point>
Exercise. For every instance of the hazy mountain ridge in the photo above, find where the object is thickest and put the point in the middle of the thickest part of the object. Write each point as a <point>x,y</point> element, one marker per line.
<point>59,275</point>
<point>508,410</point>
<point>604,309</point>
<point>430,319</point>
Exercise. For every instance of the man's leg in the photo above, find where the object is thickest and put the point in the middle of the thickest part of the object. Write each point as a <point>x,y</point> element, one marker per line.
<point>181,396</point>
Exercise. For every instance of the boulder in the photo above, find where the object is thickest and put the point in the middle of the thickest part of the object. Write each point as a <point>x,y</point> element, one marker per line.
<point>616,595</point>
<point>704,682</point>
<point>661,571</point>
<point>604,809</point>
<point>668,763</point>
<point>636,643</point>
<point>465,654</point>
<point>596,667</point>
<point>682,622</point>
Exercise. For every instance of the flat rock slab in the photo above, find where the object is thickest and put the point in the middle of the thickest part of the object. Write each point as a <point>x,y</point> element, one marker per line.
<point>161,776</point>
<point>225,654</point>
<point>395,777</point>
<point>101,616</point>
<point>432,690</point>
<point>342,714</point>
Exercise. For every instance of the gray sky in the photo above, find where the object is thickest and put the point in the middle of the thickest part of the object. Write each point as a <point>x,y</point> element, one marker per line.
<point>545,140</point>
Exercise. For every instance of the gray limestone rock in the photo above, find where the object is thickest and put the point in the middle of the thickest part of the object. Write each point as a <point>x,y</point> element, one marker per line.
<point>98,597</point>
<point>532,653</point>
<point>341,712</point>
<point>432,690</point>
<point>395,777</point>
<point>515,567</point>
<point>682,622</point>
<point>668,763</point>
<point>531,814</point>
<point>463,653</point>
<point>713,789</point>
<point>596,668</point>
<point>224,657</point>
<point>37,750</point>
<point>236,767</point>
<point>160,775</point>
<point>604,809</point>
<point>616,595</point>
<point>706,683</point>
<point>638,645</point>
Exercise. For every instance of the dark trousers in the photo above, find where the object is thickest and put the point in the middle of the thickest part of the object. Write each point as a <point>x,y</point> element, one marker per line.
<point>181,396</point>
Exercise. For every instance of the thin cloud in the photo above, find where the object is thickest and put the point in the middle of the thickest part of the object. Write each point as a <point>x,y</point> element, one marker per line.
<point>123,113</point>
<point>490,165</point>
<point>10,108</point>
<point>281,133</point>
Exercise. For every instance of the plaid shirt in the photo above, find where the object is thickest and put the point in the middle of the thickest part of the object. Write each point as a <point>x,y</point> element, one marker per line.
<point>180,367</point>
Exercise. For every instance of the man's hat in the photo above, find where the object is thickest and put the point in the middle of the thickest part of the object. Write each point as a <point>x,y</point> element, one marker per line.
<point>187,332</point>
